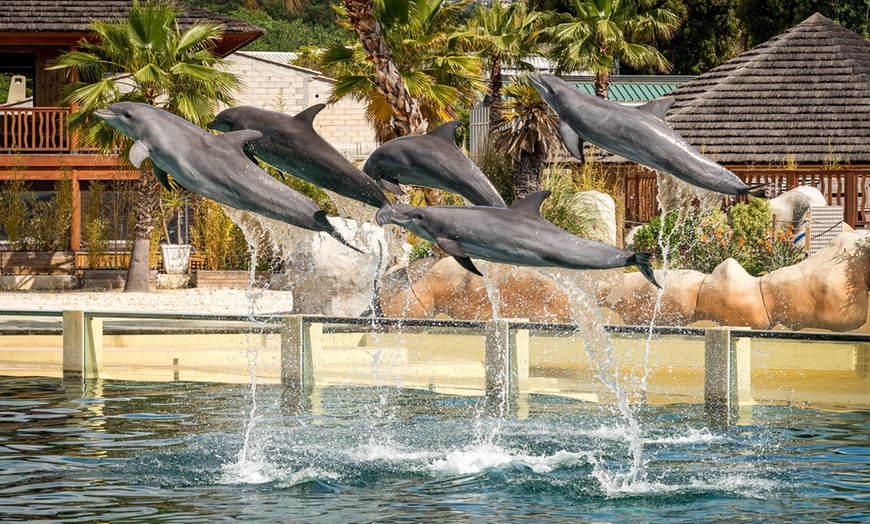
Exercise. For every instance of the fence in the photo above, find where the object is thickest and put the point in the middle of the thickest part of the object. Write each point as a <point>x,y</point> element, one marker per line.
<point>847,187</point>
<point>34,129</point>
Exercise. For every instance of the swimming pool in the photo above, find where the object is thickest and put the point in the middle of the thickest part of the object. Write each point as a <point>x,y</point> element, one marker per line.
<point>202,452</point>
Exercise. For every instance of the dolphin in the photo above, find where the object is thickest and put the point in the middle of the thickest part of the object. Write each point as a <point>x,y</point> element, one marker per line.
<point>638,134</point>
<point>290,144</point>
<point>431,160</point>
<point>516,235</point>
<point>213,166</point>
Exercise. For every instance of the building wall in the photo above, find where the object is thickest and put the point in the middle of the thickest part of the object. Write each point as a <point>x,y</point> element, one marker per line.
<point>280,87</point>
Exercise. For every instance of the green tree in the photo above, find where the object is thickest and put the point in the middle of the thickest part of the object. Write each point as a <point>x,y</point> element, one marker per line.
<point>599,32</point>
<point>505,36</point>
<point>528,132</point>
<point>147,58</point>
<point>764,19</point>
<point>426,57</point>
<point>710,35</point>
<point>290,35</point>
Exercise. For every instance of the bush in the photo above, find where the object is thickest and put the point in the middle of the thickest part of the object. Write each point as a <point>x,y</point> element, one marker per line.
<point>702,242</point>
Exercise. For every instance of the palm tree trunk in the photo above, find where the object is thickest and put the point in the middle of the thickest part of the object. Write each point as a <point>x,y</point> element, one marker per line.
<point>602,84</point>
<point>528,171</point>
<point>495,85</point>
<point>406,113</point>
<point>147,190</point>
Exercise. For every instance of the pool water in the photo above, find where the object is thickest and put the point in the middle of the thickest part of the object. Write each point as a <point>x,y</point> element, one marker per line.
<point>185,452</point>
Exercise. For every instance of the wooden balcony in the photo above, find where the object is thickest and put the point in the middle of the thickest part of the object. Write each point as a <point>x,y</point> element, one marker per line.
<point>34,129</point>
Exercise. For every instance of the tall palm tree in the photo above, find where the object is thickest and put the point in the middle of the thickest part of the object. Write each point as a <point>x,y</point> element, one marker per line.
<point>426,58</point>
<point>528,132</point>
<point>505,36</point>
<point>601,31</point>
<point>144,57</point>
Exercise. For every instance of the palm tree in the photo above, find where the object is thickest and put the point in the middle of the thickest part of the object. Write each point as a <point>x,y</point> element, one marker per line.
<point>528,132</point>
<point>601,31</point>
<point>425,58</point>
<point>144,57</point>
<point>505,36</point>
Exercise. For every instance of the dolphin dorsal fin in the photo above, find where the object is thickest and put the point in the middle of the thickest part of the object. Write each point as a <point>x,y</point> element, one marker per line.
<point>531,204</point>
<point>658,107</point>
<point>241,137</point>
<point>308,115</point>
<point>446,131</point>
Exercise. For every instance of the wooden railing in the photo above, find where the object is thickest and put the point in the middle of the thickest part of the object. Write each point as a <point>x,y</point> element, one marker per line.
<point>847,187</point>
<point>34,129</point>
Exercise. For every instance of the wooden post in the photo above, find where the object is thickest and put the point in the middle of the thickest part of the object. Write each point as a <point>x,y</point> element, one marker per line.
<point>851,203</point>
<point>75,230</point>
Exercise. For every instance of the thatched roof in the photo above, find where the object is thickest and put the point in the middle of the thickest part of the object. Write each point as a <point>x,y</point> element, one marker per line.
<point>804,94</point>
<point>73,17</point>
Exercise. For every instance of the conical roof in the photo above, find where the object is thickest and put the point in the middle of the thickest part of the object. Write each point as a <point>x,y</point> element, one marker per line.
<point>804,94</point>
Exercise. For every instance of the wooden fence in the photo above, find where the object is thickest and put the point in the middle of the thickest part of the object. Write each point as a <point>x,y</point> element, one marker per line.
<point>847,187</point>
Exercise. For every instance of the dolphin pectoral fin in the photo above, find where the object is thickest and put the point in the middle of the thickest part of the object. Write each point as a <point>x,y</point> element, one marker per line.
<point>138,153</point>
<point>531,204</point>
<point>241,138</point>
<point>308,115</point>
<point>446,131</point>
<point>657,108</point>
<point>163,178</point>
<point>392,186</point>
<point>572,140</point>
<point>451,247</point>
<point>466,263</point>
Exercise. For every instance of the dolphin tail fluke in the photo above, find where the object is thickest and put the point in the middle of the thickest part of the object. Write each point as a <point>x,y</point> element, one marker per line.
<point>643,264</point>
<point>387,211</point>
<point>320,218</point>
<point>759,191</point>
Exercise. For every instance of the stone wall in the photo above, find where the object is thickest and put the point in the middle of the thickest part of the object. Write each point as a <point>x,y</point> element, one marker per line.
<point>282,87</point>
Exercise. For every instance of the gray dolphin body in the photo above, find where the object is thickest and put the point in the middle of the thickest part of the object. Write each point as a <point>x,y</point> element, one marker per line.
<point>516,235</point>
<point>290,144</point>
<point>431,160</point>
<point>213,166</point>
<point>638,134</point>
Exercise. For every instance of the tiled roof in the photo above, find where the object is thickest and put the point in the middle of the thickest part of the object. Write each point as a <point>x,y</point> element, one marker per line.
<point>74,16</point>
<point>804,94</point>
<point>633,90</point>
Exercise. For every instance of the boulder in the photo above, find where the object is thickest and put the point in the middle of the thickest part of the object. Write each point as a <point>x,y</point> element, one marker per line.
<point>730,296</point>
<point>826,291</point>
<point>634,299</point>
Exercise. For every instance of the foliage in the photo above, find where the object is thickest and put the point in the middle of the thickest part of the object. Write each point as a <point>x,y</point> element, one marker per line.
<point>95,227</point>
<point>423,249</point>
<point>290,35</point>
<point>498,168</point>
<point>764,19</point>
<point>426,49</point>
<point>33,223</point>
<point>563,207</point>
<point>710,35</point>
<point>702,242</point>
<point>599,32</point>
<point>221,243</point>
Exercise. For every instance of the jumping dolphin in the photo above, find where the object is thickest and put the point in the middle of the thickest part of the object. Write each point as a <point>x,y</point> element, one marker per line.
<point>290,144</point>
<point>213,166</point>
<point>431,160</point>
<point>516,235</point>
<point>638,134</point>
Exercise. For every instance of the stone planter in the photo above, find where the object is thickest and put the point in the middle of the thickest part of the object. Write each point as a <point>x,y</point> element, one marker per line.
<point>176,258</point>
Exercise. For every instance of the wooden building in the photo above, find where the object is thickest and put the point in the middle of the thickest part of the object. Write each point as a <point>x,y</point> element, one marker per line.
<point>792,111</point>
<point>34,135</point>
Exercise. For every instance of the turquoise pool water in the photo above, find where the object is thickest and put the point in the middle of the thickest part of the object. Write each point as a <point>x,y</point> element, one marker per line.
<point>195,453</point>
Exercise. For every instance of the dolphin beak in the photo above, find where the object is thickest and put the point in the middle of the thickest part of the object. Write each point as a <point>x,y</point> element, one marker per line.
<point>538,83</point>
<point>104,114</point>
<point>400,220</point>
